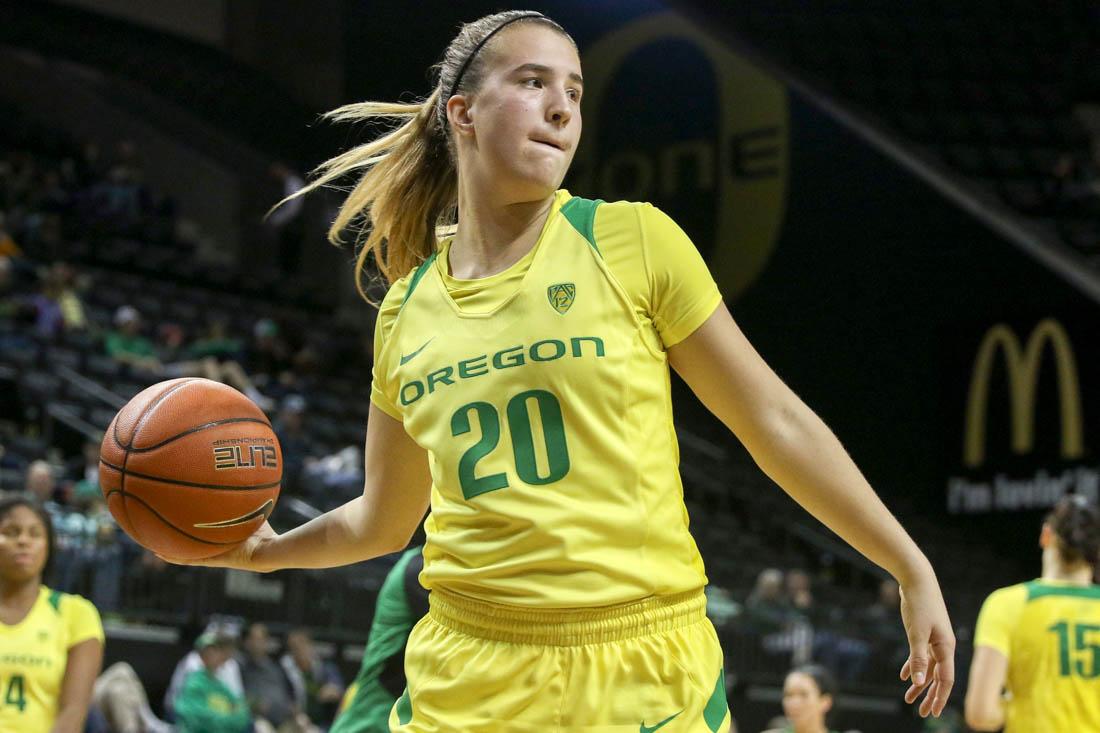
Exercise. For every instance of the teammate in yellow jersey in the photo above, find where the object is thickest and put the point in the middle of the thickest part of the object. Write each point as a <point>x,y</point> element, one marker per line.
<point>51,643</point>
<point>1037,645</point>
<point>521,389</point>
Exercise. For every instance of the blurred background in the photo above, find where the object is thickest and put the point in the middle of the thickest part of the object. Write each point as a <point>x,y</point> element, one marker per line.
<point>900,202</point>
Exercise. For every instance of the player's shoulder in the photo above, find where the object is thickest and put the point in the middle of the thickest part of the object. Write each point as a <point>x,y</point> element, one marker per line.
<point>395,297</point>
<point>1010,596</point>
<point>68,605</point>
<point>626,214</point>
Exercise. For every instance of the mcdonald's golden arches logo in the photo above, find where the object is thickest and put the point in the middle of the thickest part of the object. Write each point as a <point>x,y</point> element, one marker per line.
<point>1023,363</point>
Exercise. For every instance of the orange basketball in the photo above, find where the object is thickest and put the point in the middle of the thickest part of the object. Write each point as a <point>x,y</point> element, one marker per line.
<point>190,468</point>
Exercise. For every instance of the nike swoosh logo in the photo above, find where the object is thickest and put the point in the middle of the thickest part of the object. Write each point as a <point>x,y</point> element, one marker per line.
<point>405,358</point>
<point>264,510</point>
<point>644,729</point>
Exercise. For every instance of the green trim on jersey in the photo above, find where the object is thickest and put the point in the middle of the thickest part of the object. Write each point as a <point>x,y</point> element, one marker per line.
<point>404,708</point>
<point>416,276</point>
<point>1038,589</point>
<point>55,600</point>
<point>581,213</point>
<point>715,711</point>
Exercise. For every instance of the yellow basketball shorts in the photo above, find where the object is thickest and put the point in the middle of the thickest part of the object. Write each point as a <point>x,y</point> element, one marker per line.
<point>477,667</point>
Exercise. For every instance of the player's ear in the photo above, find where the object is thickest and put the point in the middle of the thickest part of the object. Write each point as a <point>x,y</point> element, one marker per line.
<point>459,114</point>
<point>1046,536</point>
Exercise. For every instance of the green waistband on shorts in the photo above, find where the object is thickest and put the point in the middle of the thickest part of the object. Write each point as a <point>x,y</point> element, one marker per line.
<point>566,626</point>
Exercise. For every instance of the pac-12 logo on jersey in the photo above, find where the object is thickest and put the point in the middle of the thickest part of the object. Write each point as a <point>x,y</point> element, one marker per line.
<point>562,296</point>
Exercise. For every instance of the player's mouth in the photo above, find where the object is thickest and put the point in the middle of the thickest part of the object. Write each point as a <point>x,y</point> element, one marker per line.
<point>549,143</point>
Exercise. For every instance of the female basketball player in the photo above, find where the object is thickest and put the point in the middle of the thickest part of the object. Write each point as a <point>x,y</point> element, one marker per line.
<point>521,388</point>
<point>808,694</point>
<point>1040,641</point>
<point>51,642</point>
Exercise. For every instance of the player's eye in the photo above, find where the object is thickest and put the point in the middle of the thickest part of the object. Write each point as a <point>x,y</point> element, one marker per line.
<point>575,95</point>
<point>533,82</point>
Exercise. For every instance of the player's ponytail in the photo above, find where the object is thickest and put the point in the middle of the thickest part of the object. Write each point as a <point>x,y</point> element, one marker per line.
<point>407,192</point>
<point>1076,522</point>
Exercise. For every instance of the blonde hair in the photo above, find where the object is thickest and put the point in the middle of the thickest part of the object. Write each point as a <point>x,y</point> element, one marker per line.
<point>407,192</point>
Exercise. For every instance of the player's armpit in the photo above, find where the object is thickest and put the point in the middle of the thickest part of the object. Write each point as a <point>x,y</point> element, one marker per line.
<point>984,707</point>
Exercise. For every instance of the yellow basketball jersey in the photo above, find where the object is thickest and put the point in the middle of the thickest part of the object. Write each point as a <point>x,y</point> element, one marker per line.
<point>1050,633</point>
<point>33,656</point>
<point>548,421</point>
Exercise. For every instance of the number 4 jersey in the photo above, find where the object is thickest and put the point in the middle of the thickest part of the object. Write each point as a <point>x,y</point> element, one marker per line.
<point>542,397</point>
<point>33,656</point>
<point>1050,633</point>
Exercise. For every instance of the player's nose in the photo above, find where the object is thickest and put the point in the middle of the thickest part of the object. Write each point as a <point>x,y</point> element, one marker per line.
<point>558,110</point>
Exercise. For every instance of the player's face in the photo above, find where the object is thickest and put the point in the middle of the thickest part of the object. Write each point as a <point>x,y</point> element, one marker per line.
<point>526,115</point>
<point>803,703</point>
<point>23,545</point>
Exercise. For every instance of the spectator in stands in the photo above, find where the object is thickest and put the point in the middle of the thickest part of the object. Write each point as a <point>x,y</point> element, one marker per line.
<point>216,355</point>
<point>808,693</point>
<point>287,223</point>
<point>229,673</point>
<point>800,593</point>
<point>331,480</point>
<point>216,341</point>
<point>317,683</point>
<point>52,641</point>
<point>41,484</point>
<point>205,703</point>
<point>48,319</point>
<point>845,656</point>
<point>881,622</point>
<point>266,685</point>
<point>84,471</point>
<point>768,612</point>
<point>71,529</point>
<point>267,356</point>
<point>120,696</point>
<point>64,290</point>
<point>294,439</point>
<point>127,345</point>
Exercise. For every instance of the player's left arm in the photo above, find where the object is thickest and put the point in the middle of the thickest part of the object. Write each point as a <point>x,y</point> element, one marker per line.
<point>81,669</point>
<point>984,707</point>
<point>794,447</point>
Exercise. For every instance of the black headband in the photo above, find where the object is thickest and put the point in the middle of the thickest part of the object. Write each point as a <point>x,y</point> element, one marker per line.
<point>482,42</point>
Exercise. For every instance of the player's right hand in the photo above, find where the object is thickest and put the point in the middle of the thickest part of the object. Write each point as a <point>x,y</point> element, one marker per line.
<point>245,556</point>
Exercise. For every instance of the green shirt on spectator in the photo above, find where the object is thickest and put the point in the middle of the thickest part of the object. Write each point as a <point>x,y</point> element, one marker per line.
<point>206,705</point>
<point>119,344</point>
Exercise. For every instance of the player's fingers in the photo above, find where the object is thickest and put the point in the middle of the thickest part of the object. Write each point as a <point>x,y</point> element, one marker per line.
<point>914,692</point>
<point>905,670</point>
<point>926,704</point>
<point>945,681</point>
<point>918,658</point>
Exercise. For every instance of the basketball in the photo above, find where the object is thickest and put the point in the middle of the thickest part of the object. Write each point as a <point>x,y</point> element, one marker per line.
<point>190,468</point>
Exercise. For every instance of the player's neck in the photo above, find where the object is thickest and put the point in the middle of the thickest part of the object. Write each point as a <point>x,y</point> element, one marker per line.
<point>17,598</point>
<point>1078,574</point>
<point>491,235</point>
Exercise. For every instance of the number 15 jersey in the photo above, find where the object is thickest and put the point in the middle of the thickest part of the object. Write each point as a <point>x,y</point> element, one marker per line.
<point>1050,632</point>
<point>542,397</point>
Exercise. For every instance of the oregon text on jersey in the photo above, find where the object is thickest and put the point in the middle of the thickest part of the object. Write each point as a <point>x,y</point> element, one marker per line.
<point>513,356</point>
